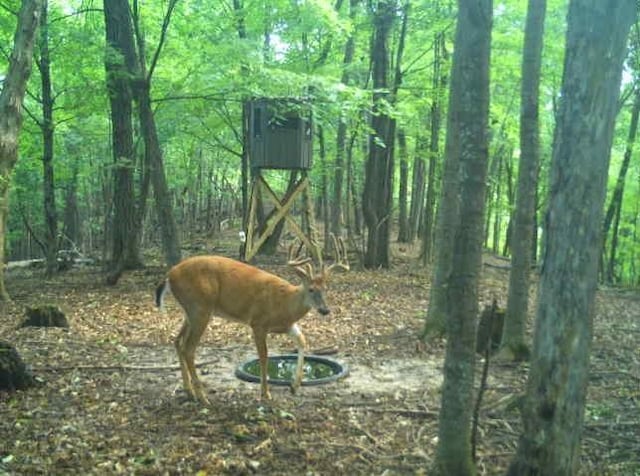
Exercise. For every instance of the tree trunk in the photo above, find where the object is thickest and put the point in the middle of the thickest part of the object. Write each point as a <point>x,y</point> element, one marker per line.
<point>378,189</point>
<point>497,222</point>
<point>324,187</point>
<point>47,127</point>
<point>119,61</point>
<point>341,134</point>
<point>164,208</point>
<point>416,208</point>
<point>11,97</point>
<point>469,117</point>
<point>553,410</point>
<point>142,95</point>
<point>613,210</point>
<point>439,85</point>
<point>71,230</point>
<point>513,343</point>
<point>245,173</point>
<point>447,216</point>
<point>403,219</point>
<point>430,203</point>
<point>353,218</point>
<point>611,264</point>
<point>510,201</point>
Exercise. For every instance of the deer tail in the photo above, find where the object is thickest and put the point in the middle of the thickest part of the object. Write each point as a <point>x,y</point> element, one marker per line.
<point>161,290</point>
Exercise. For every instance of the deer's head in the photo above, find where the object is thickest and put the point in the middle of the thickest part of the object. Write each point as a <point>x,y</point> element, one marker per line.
<point>314,279</point>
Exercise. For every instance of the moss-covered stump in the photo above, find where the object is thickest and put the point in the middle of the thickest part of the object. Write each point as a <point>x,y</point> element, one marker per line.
<point>45,316</point>
<point>13,372</point>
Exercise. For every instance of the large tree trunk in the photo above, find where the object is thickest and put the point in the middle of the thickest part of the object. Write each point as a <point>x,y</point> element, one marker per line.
<point>119,61</point>
<point>553,411</point>
<point>378,189</point>
<point>522,233</point>
<point>11,97</point>
<point>469,116</point>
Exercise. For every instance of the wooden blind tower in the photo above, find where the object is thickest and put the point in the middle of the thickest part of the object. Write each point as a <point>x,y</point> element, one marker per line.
<point>278,135</point>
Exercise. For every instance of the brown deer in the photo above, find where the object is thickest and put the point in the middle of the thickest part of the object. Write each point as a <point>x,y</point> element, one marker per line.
<point>236,291</point>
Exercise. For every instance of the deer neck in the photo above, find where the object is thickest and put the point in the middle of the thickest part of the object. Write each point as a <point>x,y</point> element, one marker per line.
<point>297,307</point>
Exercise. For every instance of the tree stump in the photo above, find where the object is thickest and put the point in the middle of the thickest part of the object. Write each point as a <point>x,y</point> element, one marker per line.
<point>13,372</point>
<point>45,316</point>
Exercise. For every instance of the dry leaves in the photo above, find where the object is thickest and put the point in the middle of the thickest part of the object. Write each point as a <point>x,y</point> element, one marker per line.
<point>107,404</point>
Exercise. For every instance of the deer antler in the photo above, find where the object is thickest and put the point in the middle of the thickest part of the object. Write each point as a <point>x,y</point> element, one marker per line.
<point>293,257</point>
<point>302,265</point>
<point>341,261</point>
<point>307,265</point>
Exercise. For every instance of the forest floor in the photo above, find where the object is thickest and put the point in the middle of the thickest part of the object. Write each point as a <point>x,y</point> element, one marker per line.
<point>107,403</point>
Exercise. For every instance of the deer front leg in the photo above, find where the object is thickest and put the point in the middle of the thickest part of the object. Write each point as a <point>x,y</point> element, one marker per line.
<point>301,344</point>
<point>260,338</point>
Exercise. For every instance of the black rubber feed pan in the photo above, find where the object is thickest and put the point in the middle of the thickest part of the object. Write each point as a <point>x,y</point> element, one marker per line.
<point>281,369</point>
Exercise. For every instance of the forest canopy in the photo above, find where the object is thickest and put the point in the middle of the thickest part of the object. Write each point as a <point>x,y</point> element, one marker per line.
<point>217,55</point>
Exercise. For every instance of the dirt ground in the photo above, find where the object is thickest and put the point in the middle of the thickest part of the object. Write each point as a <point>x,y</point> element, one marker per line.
<point>107,403</point>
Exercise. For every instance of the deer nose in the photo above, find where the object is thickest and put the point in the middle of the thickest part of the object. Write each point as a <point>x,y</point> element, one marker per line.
<point>324,310</point>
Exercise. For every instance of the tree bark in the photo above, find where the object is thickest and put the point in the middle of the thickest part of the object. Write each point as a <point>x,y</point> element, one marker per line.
<point>11,98</point>
<point>553,410</point>
<point>469,117</point>
<point>513,343</point>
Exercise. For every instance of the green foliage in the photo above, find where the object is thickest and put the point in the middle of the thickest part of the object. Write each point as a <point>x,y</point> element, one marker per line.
<point>215,58</point>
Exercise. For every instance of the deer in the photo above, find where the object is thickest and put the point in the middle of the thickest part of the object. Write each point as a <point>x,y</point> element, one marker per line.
<point>210,285</point>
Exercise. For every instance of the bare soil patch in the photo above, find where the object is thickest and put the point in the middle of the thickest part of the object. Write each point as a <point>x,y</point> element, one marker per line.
<point>107,404</point>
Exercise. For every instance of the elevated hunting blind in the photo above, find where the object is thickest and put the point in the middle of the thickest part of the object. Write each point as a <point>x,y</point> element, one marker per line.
<point>280,134</point>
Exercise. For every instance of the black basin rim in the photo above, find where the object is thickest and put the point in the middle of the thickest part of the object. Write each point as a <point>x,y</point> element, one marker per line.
<point>341,370</point>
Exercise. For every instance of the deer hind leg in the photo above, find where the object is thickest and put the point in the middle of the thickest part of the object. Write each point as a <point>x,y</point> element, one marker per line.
<point>301,344</point>
<point>260,338</point>
<point>180,346</point>
<point>196,327</point>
